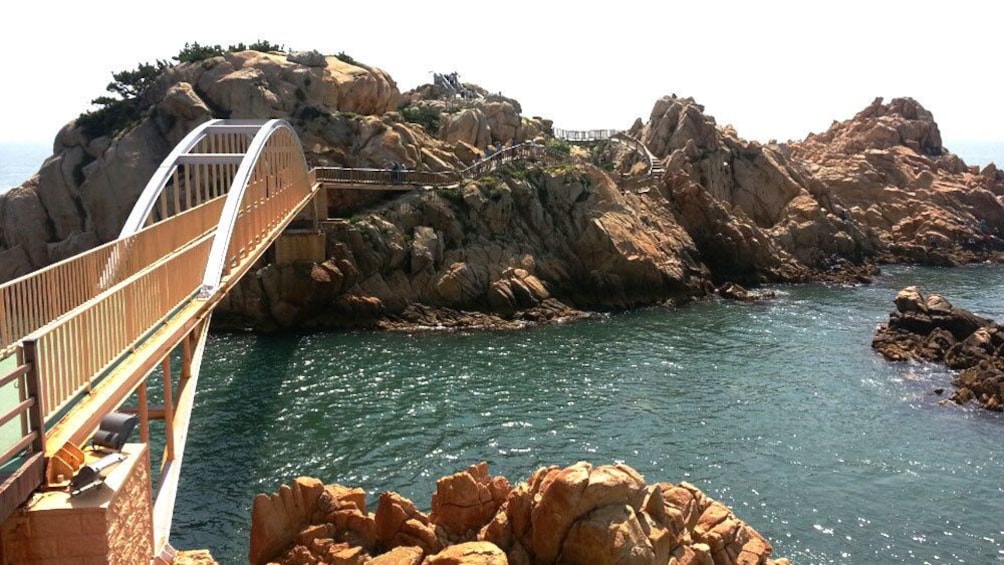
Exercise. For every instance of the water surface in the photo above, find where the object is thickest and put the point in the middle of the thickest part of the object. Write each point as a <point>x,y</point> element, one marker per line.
<point>779,409</point>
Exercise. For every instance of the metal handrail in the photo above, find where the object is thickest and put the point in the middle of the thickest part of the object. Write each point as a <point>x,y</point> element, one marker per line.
<point>526,151</point>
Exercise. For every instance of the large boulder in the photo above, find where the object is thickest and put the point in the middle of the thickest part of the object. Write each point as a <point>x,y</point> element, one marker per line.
<point>464,502</point>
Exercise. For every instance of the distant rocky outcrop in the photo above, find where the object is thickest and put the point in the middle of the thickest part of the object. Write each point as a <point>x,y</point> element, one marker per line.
<point>931,329</point>
<point>877,186</point>
<point>529,242</point>
<point>888,171</point>
<point>581,514</point>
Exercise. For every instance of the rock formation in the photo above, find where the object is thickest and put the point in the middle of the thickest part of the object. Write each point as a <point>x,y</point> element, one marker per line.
<point>83,193</point>
<point>602,515</point>
<point>529,246</point>
<point>878,186</point>
<point>527,243</point>
<point>931,329</point>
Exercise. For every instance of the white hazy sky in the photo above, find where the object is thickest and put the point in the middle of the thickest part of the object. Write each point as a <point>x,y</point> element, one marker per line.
<point>772,69</point>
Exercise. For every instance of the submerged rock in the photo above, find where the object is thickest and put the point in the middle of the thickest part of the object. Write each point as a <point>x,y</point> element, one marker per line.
<point>605,515</point>
<point>931,329</point>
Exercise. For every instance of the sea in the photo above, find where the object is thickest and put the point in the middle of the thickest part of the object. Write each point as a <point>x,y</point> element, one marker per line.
<point>20,160</point>
<point>780,409</point>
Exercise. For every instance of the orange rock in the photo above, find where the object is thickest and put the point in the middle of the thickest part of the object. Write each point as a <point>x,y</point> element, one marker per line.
<point>469,553</point>
<point>403,555</point>
<point>337,497</point>
<point>566,495</point>
<point>310,533</point>
<point>464,502</point>
<point>277,518</point>
<point>498,531</point>
<point>715,514</point>
<point>579,514</point>
<point>195,557</point>
<point>345,554</point>
<point>399,522</point>
<point>609,535</point>
<point>518,509</point>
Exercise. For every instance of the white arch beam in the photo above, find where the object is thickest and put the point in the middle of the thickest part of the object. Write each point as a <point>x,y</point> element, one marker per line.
<point>232,207</point>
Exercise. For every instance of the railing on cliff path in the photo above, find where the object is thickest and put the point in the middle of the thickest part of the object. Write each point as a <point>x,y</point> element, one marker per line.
<point>595,135</point>
<point>584,136</point>
<point>389,177</point>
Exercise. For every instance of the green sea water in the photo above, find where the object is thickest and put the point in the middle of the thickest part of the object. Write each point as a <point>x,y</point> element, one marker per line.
<point>780,409</point>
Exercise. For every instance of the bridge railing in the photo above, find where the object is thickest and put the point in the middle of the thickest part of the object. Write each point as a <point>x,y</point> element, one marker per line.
<point>383,176</point>
<point>264,199</point>
<point>522,152</point>
<point>200,168</point>
<point>584,135</point>
<point>29,302</point>
<point>72,353</point>
<point>28,442</point>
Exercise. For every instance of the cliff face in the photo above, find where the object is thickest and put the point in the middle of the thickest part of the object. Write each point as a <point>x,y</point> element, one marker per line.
<point>879,185</point>
<point>523,245</point>
<point>888,169</point>
<point>527,243</point>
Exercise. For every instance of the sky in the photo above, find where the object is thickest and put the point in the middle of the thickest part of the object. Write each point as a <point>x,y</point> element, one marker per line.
<point>772,69</point>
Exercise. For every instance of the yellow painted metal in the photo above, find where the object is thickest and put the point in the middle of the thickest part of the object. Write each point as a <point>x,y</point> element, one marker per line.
<point>94,327</point>
<point>29,302</point>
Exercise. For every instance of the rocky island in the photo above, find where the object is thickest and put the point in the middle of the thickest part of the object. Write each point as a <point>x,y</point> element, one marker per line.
<point>931,329</point>
<point>528,243</point>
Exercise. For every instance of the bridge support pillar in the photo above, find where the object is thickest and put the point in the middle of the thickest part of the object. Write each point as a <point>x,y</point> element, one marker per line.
<point>110,523</point>
<point>300,246</point>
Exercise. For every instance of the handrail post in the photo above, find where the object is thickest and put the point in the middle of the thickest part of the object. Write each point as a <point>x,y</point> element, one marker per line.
<point>29,356</point>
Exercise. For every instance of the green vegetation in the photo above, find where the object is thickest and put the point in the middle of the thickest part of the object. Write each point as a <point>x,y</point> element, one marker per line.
<point>119,112</point>
<point>346,58</point>
<point>425,115</point>
<point>562,169</point>
<point>310,113</point>
<point>513,170</point>
<point>452,194</point>
<point>559,145</point>
<point>195,52</point>
<point>262,45</point>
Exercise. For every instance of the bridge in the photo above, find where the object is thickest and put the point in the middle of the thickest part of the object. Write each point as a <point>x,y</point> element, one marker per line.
<point>592,136</point>
<point>87,336</point>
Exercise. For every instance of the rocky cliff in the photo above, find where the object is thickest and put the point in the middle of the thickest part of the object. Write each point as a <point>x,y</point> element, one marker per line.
<point>581,514</point>
<point>529,242</point>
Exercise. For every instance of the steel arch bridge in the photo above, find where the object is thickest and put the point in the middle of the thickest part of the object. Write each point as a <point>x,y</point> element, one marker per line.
<point>81,337</point>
